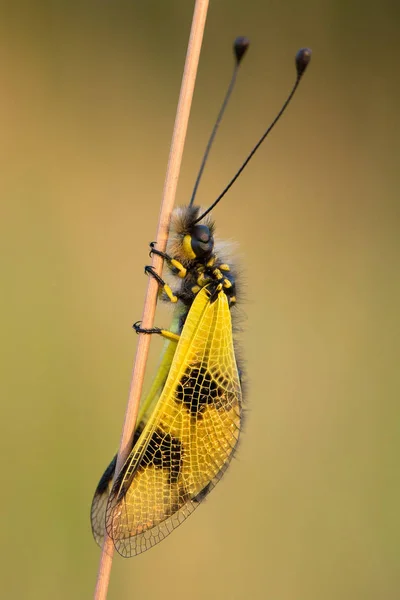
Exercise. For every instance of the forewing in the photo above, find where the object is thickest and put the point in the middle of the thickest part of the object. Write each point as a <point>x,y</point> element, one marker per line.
<point>185,448</point>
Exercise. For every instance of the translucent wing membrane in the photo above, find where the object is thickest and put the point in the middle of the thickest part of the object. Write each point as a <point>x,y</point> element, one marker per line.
<point>188,443</point>
<point>99,502</point>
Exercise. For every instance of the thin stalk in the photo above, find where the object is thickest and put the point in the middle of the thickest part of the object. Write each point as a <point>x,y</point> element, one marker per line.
<point>167,203</point>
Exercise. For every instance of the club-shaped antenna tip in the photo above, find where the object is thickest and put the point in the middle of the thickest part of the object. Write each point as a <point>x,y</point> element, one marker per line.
<point>240,46</point>
<point>303,57</point>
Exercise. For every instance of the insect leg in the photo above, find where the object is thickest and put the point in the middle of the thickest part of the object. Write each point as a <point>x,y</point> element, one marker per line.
<point>149,270</point>
<point>173,337</point>
<point>172,263</point>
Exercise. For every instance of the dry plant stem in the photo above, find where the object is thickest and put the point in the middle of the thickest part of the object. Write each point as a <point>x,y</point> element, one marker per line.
<point>171,180</point>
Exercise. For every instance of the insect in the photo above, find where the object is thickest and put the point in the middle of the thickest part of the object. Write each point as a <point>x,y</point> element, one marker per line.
<point>189,423</point>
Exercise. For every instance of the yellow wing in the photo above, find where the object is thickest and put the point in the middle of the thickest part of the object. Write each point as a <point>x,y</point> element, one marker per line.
<point>188,442</point>
<point>100,498</point>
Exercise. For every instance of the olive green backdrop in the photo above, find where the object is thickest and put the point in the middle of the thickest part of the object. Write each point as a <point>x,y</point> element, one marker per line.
<point>309,510</point>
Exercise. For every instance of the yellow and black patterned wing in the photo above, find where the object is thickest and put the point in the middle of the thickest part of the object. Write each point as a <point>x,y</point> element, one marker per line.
<point>188,442</point>
<point>100,498</point>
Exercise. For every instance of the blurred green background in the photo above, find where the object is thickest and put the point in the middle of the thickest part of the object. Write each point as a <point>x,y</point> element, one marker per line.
<point>310,508</point>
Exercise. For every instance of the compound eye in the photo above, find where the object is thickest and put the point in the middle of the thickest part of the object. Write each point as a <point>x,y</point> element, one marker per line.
<point>201,233</point>
<point>202,241</point>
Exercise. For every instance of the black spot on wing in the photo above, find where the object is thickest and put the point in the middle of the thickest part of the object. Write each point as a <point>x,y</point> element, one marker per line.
<point>198,388</point>
<point>163,452</point>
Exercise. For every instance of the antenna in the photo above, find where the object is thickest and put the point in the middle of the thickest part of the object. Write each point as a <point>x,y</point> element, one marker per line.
<point>303,57</point>
<point>240,46</point>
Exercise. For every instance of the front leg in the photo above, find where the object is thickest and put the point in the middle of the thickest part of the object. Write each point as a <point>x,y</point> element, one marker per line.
<point>176,267</point>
